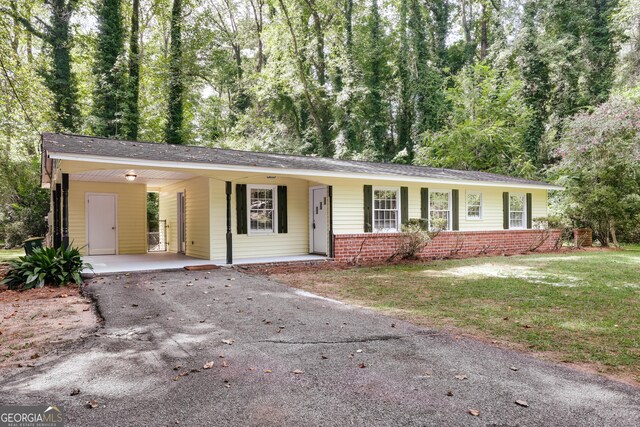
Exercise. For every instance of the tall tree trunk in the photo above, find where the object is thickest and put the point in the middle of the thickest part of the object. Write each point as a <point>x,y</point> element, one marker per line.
<point>403,119</point>
<point>257,7</point>
<point>61,81</point>
<point>612,232</point>
<point>15,36</point>
<point>173,130</point>
<point>108,97</point>
<point>315,104</point>
<point>320,62</point>
<point>484,36</point>
<point>133,121</point>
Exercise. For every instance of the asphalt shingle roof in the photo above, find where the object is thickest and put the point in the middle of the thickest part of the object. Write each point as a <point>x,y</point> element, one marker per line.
<point>104,147</point>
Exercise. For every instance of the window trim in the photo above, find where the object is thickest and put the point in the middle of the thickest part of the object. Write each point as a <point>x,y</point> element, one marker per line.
<point>373,209</point>
<point>466,202</point>
<point>274,218</point>
<point>449,209</point>
<point>524,211</point>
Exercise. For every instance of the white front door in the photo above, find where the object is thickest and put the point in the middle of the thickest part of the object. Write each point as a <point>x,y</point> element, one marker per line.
<point>320,216</point>
<point>102,232</point>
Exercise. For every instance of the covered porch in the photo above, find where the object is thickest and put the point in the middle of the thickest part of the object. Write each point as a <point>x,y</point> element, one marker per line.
<point>108,264</point>
<point>201,217</point>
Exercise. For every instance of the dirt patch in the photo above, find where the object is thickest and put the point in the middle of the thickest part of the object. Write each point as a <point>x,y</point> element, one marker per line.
<point>35,322</point>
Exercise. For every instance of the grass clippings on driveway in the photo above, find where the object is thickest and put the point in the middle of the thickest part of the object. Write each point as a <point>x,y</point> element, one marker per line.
<point>581,307</point>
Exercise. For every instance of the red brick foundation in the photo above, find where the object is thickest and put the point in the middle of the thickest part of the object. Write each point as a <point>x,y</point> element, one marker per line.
<point>381,246</point>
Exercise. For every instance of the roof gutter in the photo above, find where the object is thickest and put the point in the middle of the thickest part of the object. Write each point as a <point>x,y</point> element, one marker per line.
<point>287,171</point>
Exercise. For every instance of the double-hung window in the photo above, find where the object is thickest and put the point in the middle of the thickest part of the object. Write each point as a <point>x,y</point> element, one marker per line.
<point>474,205</point>
<point>517,209</point>
<point>262,208</point>
<point>440,209</point>
<point>386,209</point>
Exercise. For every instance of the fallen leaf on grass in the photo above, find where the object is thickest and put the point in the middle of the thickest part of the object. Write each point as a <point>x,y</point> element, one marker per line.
<point>208,365</point>
<point>522,403</point>
<point>474,412</point>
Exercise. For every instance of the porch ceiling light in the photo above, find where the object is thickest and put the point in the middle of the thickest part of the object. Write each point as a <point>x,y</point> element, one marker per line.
<point>130,176</point>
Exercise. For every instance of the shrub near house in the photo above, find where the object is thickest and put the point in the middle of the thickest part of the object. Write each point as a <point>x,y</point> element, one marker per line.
<point>46,266</point>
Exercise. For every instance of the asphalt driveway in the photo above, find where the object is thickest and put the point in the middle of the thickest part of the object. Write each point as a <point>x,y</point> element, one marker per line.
<point>285,358</point>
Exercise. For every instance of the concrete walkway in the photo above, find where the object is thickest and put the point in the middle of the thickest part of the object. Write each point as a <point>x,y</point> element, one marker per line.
<point>283,357</point>
<point>158,261</point>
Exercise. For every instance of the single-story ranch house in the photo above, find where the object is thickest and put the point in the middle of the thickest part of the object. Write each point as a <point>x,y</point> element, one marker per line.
<point>232,206</point>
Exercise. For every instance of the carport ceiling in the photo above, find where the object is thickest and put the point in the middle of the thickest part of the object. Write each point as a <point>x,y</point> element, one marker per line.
<point>151,177</point>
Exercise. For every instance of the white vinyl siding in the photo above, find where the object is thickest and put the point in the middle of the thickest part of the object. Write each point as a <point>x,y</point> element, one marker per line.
<point>197,212</point>
<point>132,214</point>
<point>348,210</point>
<point>261,245</point>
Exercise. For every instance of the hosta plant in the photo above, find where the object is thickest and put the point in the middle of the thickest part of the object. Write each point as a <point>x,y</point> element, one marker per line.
<point>46,266</point>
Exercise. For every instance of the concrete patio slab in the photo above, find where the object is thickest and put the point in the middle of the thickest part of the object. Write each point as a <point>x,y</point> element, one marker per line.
<point>158,261</point>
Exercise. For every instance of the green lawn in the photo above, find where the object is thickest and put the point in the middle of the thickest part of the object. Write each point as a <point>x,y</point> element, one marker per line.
<point>572,306</point>
<point>10,254</point>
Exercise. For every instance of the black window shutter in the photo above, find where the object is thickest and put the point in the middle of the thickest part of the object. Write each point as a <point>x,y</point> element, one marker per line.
<point>368,209</point>
<point>424,203</point>
<point>282,209</point>
<point>404,205</point>
<point>455,210</point>
<point>529,211</point>
<point>505,210</point>
<point>241,208</point>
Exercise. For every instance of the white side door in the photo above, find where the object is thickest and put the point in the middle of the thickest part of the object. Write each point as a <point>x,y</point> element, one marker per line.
<point>320,219</point>
<point>102,227</point>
